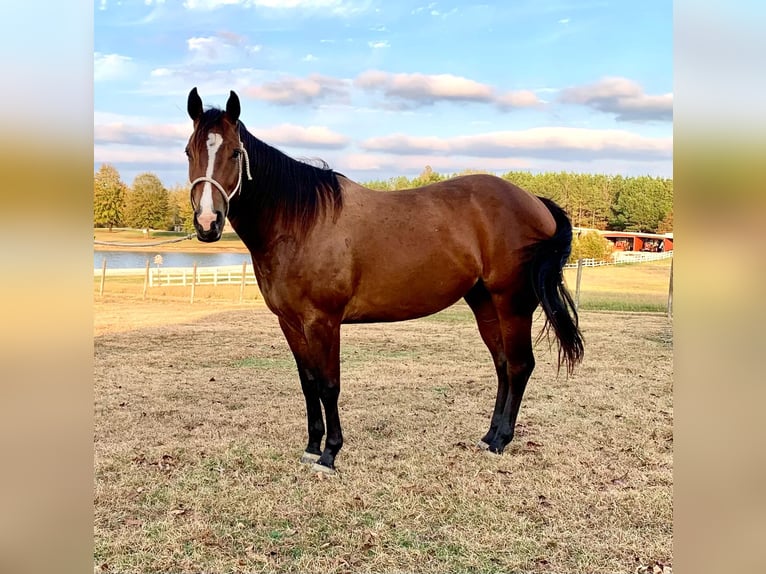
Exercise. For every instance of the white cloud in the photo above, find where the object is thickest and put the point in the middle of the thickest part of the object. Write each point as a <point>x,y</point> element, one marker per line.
<point>420,9</point>
<point>424,87</point>
<point>160,72</point>
<point>411,164</point>
<point>223,47</point>
<point>300,136</point>
<point>379,44</point>
<point>334,7</point>
<point>622,97</point>
<point>210,4</point>
<point>142,156</point>
<point>300,91</point>
<point>548,142</point>
<point>119,132</point>
<point>110,66</point>
<point>111,128</point>
<point>290,4</point>
<point>309,58</point>
<point>177,81</point>
<point>204,46</point>
<point>405,145</point>
<point>414,90</point>
<point>519,99</point>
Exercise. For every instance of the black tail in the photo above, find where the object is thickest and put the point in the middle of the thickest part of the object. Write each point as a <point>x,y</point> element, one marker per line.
<point>547,261</point>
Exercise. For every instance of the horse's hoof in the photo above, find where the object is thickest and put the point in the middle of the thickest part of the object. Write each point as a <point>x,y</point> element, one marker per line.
<point>320,468</point>
<point>309,458</point>
<point>482,445</point>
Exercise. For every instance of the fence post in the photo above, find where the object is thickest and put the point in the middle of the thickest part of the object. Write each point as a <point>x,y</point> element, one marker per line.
<point>242,284</point>
<point>193,282</point>
<point>670,290</point>
<point>146,279</point>
<point>103,277</point>
<point>577,288</point>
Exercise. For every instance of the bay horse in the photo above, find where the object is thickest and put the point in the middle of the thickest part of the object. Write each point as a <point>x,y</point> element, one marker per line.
<point>328,251</point>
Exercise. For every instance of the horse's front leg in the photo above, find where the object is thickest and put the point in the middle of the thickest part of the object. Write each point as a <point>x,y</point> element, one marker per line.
<point>316,347</point>
<point>315,424</point>
<point>314,420</point>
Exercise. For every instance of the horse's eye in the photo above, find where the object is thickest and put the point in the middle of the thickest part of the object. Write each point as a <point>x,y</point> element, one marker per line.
<point>235,154</point>
<point>186,151</point>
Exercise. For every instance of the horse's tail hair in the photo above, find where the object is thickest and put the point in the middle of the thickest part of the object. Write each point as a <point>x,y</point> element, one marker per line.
<point>546,263</point>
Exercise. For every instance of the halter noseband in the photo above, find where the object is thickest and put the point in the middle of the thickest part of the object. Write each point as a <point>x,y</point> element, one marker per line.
<point>238,187</point>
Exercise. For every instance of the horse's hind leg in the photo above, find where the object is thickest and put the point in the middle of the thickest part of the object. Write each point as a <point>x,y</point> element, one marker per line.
<point>516,331</point>
<point>480,302</point>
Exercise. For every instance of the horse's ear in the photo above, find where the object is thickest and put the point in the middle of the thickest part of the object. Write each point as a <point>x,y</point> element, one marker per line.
<point>194,105</point>
<point>232,107</point>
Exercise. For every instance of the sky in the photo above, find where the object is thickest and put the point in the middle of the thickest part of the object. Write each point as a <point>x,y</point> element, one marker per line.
<point>382,88</point>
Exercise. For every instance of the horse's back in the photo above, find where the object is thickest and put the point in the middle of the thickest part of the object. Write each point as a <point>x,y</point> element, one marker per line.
<point>470,209</point>
<point>508,203</point>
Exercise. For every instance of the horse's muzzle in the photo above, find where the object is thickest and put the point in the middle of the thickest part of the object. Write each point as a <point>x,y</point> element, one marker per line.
<point>209,230</point>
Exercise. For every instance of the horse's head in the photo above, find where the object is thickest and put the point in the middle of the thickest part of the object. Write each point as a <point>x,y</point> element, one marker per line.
<point>215,155</point>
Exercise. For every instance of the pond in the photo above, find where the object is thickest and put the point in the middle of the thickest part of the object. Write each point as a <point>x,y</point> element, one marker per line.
<point>138,259</point>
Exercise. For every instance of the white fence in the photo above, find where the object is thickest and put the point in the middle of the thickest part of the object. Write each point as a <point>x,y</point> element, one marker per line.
<point>225,275</point>
<point>161,276</point>
<point>620,257</point>
<point>158,276</point>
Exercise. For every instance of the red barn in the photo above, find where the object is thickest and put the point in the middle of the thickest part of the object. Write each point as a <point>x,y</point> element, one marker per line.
<point>635,241</point>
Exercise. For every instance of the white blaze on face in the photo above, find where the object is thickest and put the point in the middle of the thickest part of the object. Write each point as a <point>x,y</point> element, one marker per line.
<point>207,215</point>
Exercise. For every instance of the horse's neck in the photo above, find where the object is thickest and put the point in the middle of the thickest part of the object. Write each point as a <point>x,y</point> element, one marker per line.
<point>248,221</point>
<point>249,229</point>
<point>264,234</point>
<point>260,233</point>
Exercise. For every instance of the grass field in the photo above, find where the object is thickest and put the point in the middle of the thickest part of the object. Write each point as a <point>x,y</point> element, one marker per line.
<point>625,287</point>
<point>199,425</point>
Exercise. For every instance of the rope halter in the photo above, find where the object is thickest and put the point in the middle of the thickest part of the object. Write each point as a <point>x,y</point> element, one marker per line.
<point>238,187</point>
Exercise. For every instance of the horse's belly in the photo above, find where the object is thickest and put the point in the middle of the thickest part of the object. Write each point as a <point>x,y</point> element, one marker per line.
<point>400,300</point>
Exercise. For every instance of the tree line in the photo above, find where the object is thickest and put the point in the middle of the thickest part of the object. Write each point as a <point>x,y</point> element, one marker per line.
<point>613,202</point>
<point>146,204</point>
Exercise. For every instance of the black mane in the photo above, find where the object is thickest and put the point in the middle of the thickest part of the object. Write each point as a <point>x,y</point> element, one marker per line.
<point>283,189</point>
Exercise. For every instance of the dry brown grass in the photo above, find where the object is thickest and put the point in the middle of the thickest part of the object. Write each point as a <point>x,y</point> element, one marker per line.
<point>120,313</point>
<point>200,424</point>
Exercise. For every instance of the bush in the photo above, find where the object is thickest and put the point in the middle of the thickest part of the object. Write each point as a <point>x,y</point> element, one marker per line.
<point>591,245</point>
